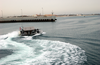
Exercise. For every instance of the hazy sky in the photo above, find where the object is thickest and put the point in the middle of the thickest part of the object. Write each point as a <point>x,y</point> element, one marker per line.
<point>31,7</point>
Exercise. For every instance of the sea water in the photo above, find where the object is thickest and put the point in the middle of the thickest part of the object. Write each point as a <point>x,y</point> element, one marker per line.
<point>68,41</point>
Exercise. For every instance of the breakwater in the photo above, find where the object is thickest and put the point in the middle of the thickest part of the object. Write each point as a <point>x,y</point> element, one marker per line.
<point>28,19</point>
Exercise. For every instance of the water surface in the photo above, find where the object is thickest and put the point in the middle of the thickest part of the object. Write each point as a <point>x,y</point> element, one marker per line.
<point>69,40</point>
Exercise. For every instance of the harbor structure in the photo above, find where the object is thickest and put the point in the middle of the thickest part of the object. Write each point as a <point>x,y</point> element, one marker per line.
<point>28,19</point>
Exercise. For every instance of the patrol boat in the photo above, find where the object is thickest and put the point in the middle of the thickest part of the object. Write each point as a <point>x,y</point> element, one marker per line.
<point>30,31</point>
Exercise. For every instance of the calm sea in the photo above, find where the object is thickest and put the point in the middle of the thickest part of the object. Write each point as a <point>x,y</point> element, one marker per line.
<point>68,41</point>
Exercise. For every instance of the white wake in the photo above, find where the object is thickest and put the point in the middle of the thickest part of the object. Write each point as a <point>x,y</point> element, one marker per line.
<point>40,52</point>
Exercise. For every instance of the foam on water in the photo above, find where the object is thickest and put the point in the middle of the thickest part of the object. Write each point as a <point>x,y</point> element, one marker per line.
<point>40,52</point>
<point>12,34</point>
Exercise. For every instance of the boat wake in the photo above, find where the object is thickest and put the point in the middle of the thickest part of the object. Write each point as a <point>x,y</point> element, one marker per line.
<point>28,51</point>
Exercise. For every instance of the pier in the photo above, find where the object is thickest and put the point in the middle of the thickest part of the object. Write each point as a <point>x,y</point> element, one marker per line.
<point>28,19</point>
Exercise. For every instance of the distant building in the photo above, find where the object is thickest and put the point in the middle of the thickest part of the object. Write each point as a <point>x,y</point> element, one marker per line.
<point>49,15</point>
<point>35,15</point>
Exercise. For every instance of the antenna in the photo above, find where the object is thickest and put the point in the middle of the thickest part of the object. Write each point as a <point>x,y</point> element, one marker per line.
<point>21,12</point>
<point>21,17</point>
<point>2,13</point>
<point>42,11</point>
<point>52,12</point>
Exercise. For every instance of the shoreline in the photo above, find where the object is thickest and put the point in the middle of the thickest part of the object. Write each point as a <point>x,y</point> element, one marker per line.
<point>37,19</point>
<point>75,15</point>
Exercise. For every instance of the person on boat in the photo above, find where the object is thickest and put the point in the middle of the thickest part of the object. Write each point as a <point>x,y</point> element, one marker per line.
<point>33,32</point>
<point>21,29</point>
<point>38,31</point>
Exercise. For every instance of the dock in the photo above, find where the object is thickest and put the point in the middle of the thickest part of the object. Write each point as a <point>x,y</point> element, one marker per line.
<point>28,19</point>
